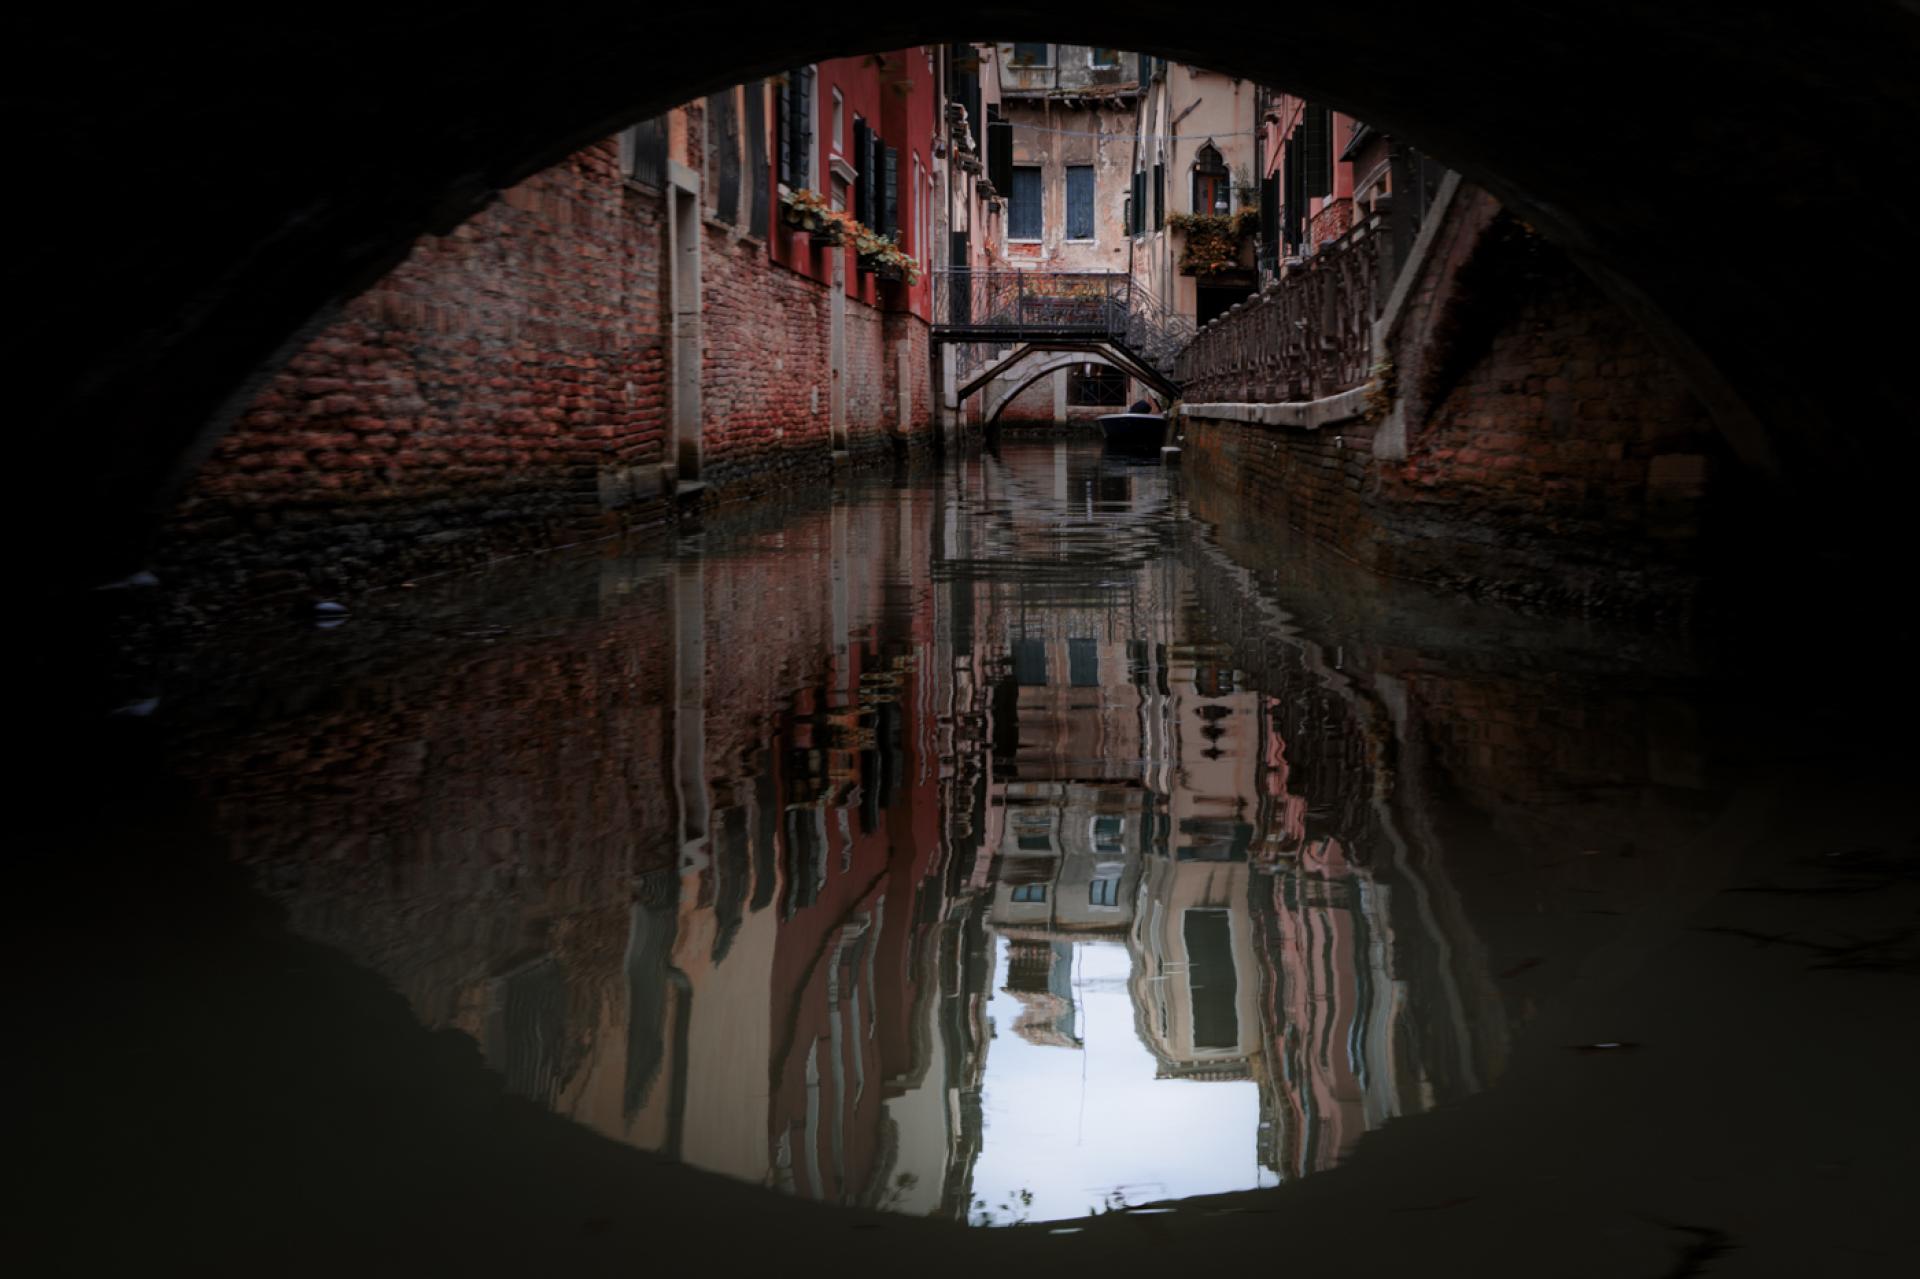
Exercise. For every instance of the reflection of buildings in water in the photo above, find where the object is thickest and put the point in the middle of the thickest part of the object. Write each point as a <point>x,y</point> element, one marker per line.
<point>795,990</point>
<point>1144,792</point>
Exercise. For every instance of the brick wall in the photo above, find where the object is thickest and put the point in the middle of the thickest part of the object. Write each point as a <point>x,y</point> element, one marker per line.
<point>506,390</point>
<point>1554,457</point>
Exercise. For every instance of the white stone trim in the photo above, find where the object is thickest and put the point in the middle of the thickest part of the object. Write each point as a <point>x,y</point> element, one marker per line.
<point>1302,415</point>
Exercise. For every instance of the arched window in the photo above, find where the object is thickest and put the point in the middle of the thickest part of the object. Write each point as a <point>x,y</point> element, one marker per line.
<point>1211,192</point>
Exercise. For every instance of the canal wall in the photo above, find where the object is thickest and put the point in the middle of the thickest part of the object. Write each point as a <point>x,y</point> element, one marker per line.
<point>511,387</point>
<point>1525,441</point>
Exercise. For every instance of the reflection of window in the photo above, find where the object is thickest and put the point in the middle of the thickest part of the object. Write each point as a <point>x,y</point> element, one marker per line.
<point>1211,193</point>
<point>1104,892</point>
<point>1098,57</point>
<point>1030,662</point>
<point>1083,663</point>
<point>1035,843</point>
<point>1029,892</point>
<point>1211,978</point>
<point>1025,219</point>
<point>1032,55</point>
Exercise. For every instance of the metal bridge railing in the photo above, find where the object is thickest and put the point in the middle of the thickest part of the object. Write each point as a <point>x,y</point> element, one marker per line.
<point>1006,306</point>
<point>1024,304</point>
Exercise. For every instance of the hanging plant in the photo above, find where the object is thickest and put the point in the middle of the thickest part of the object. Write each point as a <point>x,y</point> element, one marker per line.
<point>1213,240</point>
<point>809,211</point>
<point>883,256</point>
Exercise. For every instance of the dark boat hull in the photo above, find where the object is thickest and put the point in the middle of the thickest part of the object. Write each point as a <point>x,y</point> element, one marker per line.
<point>1134,433</point>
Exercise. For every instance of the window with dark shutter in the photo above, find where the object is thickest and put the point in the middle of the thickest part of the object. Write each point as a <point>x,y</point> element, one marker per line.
<point>1080,202</point>
<point>760,196</point>
<point>1032,55</point>
<point>649,143</point>
<point>801,127</point>
<point>1316,160</point>
<point>1159,196</point>
<point>862,153</point>
<point>1294,196</point>
<point>723,153</point>
<point>1025,220</point>
<point>1137,223</point>
<point>890,194</point>
<point>999,151</point>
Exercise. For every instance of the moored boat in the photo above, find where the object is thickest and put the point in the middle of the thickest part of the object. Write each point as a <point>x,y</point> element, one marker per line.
<point>1141,433</point>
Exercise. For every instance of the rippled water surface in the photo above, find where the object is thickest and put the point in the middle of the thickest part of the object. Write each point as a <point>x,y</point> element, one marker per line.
<point>1001,845</point>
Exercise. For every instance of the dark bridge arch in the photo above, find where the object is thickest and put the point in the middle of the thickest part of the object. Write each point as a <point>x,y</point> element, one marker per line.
<point>196,200</point>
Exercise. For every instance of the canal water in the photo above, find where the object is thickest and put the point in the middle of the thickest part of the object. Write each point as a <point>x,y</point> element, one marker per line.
<point>1006,844</point>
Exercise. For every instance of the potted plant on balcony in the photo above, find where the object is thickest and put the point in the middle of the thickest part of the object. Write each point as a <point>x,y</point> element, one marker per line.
<point>1213,240</point>
<point>884,258</point>
<point>808,211</point>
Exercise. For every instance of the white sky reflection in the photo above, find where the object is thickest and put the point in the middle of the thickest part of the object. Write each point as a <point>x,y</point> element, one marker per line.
<point>1071,1126</point>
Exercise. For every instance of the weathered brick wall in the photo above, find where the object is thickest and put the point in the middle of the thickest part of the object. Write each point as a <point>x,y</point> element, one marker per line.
<point>460,408</point>
<point>507,389</point>
<point>1554,457</point>
<point>1032,407</point>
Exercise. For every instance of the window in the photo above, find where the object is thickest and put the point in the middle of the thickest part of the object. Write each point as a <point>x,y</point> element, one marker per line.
<point>796,129</point>
<point>759,198</point>
<point>838,142</point>
<point>1211,192</point>
<point>1080,202</point>
<point>1096,386</point>
<point>1104,891</point>
<point>1083,663</point>
<point>1159,196</point>
<point>1030,892</point>
<point>644,150</point>
<point>1316,143</point>
<point>1024,217</point>
<point>1098,57</point>
<point>1030,663</point>
<point>1032,55</point>
<point>863,185</point>
<point>723,156</point>
<point>1034,843</point>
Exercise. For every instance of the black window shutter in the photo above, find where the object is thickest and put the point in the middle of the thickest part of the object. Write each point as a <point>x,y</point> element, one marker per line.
<point>1317,162</point>
<point>783,128</point>
<point>1139,202</point>
<point>650,151</point>
<point>862,155</point>
<point>890,201</point>
<point>803,129</point>
<point>1295,188</point>
<point>1159,196</point>
<point>760,201</point>
<point>999,153</point>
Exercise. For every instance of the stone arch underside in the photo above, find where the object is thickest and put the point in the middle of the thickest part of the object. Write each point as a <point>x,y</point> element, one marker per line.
<point>164,280</point>
<point>1031,369</point>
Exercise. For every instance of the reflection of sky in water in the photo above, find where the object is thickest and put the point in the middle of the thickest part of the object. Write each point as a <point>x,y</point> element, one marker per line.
<point>1073,1126</point>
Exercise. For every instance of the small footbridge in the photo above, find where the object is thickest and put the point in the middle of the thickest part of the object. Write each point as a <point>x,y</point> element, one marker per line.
<point>1017,315</point>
